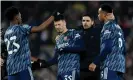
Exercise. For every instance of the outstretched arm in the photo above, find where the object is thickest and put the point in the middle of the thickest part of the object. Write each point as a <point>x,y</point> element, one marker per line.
<point>106,48</point>
<point>76,46</point>
<point>43,25</point>
<point>39,63</point>
<point>59,8</point>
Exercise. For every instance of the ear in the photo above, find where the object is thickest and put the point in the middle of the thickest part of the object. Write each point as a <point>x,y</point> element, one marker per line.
<point>64,22</point>
<point>92,22</point>
<point>105,14</point>
<point>16,18</point>
<point>110,16</point>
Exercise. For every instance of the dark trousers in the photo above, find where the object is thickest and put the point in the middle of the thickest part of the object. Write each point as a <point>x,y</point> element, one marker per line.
<point>87,75</point>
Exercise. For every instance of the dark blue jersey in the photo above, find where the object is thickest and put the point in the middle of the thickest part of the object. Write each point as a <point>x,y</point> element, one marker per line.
<point>69,45</point>
<point>112,53</point>
<point>16,39</point>
<point>67,51</point>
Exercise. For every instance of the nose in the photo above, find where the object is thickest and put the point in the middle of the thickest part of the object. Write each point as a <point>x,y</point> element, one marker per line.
<point>85,22</point>
<point>57,26</point>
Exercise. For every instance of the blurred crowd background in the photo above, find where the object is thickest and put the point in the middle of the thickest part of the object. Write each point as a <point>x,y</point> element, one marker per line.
<point>42,44</point>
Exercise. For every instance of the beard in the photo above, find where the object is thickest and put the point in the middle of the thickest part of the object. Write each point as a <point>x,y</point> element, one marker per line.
<point>86,26</point>
<point>59,30</point>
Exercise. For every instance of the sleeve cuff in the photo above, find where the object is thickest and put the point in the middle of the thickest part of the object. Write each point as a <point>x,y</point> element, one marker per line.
<point>97,61</point>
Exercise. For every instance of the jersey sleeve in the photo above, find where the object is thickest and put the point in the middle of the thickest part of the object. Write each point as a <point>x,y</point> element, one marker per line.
<point>106,45</point>
<point>54,60</point>
<point>26,29</point>
<point>106,48</point>
<point>77,44</point>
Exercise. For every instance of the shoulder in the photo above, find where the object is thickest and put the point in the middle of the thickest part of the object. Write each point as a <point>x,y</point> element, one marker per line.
<point>71,30</point>
<point>74,31</point>
<point>25,26</point>
<point>77,33</point>
<point>9,30</point>
<point>110,26</point>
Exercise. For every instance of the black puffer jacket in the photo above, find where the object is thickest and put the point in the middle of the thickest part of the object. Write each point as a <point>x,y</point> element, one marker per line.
<point>91,38</point>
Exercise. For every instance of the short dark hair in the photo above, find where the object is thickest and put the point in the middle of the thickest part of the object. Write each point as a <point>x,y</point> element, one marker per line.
<point>59,17</point>
<point>11,12</point>
<point>89,15</point>
<point>107,8</point>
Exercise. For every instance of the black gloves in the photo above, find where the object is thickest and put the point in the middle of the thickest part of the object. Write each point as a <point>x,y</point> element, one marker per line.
<point>39,64</point>
<point>56,13</point>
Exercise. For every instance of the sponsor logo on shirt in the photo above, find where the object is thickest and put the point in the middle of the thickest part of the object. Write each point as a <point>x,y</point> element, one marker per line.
<point>107,32</point>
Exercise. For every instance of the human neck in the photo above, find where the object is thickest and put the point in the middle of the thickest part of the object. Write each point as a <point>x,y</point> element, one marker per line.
<point>105,21</point>
<point>13,23</point>
<point>64,31</point>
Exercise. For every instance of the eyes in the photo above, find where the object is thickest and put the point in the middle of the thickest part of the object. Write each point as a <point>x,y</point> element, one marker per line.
<point>57,24</point>
<point>85,20</point>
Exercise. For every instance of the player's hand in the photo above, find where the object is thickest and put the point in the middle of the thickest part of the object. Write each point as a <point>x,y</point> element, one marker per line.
<point>56,13</point>
<point>92,67</point>
<point>39,64</point>
<point>60,8</point>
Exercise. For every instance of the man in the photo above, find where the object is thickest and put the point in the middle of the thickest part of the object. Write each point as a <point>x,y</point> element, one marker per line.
<point>91,37</point>
<point>112,53</point>
<point>69,44</point>
<point>16,39</point>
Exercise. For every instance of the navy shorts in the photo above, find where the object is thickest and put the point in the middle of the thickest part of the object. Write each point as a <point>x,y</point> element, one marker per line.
<point>23,75</point>
<point>107,74</point>
<point>72,75</point>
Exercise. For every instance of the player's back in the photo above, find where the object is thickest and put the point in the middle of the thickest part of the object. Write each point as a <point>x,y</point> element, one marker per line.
<point>116,59</point>
<point>16,40</point>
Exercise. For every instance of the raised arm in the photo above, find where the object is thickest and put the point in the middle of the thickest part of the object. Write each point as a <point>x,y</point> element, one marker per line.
<point>42,26</point>
<point>40,63</point>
